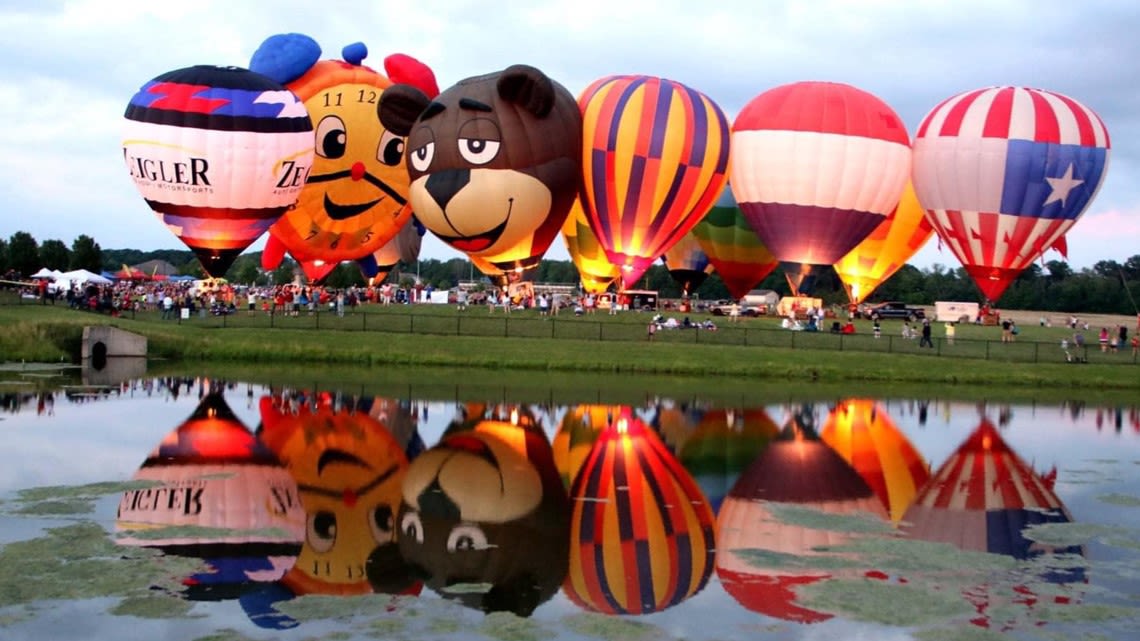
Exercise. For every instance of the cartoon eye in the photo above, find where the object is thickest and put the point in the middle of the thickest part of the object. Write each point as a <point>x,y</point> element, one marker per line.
<point>320,531</point>
<point>421,158</point>
<point>391,150</point>
<point>411,528</point>
<point>478,151</point>
<point>331,137</point>
<point>466,537</point>
<point>381,523</point>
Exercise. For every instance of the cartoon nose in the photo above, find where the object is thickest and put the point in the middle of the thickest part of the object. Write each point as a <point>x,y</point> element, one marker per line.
<point>357,170</point>
<point>443,185</point>
<point>434,502</point>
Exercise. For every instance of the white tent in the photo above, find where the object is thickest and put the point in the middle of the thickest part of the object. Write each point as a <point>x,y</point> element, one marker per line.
<point>79,277</point>
<point>47,273</point>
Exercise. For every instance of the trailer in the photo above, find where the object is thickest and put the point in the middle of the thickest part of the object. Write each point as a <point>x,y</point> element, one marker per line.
<point>955,312</point>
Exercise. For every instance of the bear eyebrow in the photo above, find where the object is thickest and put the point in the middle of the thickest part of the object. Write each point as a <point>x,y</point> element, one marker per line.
<point>474,105</point>
<point>433,109</point>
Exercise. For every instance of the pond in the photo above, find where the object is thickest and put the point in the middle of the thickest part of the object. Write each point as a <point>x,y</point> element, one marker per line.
<point>205,507</point>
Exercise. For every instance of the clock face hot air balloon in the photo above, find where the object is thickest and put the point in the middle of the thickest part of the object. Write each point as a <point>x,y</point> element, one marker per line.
<point>494,162</point>
<point>815,167</point>
<point>219,154</point>
<point>885,249</point>
<point>1004,172</point>
<point>356,196</point>
<point>641,532</point>
<point>595,270</point>
<point>687,263</point>
<point>733,247</point>
<point>654,159</point>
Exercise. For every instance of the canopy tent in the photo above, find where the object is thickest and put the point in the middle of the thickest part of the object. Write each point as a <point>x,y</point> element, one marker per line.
<point>82,277</point>
<point>47,273</point>
<point>130,273</point>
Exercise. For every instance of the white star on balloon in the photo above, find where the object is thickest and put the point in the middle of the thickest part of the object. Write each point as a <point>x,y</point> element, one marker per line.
<point>1060,187</point>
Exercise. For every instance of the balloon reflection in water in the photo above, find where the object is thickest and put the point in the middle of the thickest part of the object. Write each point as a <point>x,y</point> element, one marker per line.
<point>484,515</point>
<point>762,557</point>
<point>641,531</point>
<point>218,495</point>
<point>723,445</point>
<point>349,470</point>
<point>984,498</point>
<point>862,432</point>
<point>580,427</point>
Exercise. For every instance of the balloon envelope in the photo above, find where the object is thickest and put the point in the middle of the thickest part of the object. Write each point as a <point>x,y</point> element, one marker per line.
<point>594,268</point>
<point>219,154</point>
<point>886,249</point>
<point>816,166</point>
<point>654,159</point>
<point>687,263</point>
<point>733,247</point>
<point>1004,172</point>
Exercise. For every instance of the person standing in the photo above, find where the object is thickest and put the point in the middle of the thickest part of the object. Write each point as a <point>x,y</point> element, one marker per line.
<point>876,328</point>
<point>950,331</point>
<point>925,340</point>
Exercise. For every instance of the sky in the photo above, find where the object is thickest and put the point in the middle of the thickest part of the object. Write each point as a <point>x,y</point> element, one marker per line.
<point>73,65</point>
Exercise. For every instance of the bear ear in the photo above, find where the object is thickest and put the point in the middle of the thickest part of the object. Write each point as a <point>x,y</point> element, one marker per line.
<point>399,107</point>
<point>527,87</point>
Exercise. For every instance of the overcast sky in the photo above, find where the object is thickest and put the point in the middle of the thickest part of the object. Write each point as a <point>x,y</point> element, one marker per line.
<point>71,66</point>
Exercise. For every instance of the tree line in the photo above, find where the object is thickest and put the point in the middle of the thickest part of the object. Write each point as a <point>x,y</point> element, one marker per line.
<point>1108,287</point>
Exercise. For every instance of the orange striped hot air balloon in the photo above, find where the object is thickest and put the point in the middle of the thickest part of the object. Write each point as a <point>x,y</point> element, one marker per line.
<point>861,431</point>
<point>733,247</point>
<point>641,531</point>
<point>878,256</point>
<point>654,159</point>
<point>575,437</point>
<point>595,270</point>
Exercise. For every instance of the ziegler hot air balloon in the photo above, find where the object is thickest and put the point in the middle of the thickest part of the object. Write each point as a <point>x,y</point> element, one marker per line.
<point>687,263</point>
<point>494,161</point>
<point>816,166</point>
<point>355,199</point>
<point>886,249</point>
<point>654,159</point>
<point>733,247</point>
<point>1004,172</point>
<point>641,531</point>
<point>596,271</point>
<point>219,154</point>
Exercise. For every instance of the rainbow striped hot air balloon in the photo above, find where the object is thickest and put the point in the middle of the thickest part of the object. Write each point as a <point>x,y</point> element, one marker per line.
<point>816,166</point>
<point>641,532</point>
<point>687,263</point>
<point>886,249</point>
<point>1004,172</point>
<point>594,269</point>
<point>723,445</point>
<point>733,247</point>
<point>654,159</point>
<point>862,432</point>
<point>219,154</point>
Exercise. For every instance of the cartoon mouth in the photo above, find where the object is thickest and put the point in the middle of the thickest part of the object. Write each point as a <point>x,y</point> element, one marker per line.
<point>476,243</point>
<point>344,212</point>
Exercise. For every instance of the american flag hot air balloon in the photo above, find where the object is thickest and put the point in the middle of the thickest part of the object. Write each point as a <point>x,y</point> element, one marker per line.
<point>1004,172</point>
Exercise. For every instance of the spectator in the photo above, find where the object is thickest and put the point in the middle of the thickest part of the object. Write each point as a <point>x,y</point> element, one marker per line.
<point>926,341</point>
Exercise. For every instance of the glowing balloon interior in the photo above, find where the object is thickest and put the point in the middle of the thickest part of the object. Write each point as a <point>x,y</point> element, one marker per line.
<point>733,247</point>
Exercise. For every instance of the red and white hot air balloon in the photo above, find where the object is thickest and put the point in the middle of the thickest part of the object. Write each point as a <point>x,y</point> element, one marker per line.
<point>815,167</point>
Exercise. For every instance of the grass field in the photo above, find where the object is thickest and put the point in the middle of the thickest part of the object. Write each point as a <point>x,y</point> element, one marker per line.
<point>443,337</point>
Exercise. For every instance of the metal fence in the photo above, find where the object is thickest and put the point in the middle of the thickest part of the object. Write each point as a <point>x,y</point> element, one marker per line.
<point>526,325</point>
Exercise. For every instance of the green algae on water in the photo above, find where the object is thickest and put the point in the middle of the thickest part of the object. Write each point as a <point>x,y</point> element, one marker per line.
<point>56,508</point>
<point>200,532</point>
<point>90,490</point>
<point>962,633</point>
<point>509,627</point>
<point>1123,500</point>
<point>153,606</point>
<point>854,523</point>
<point>1063,535</point>
<point>613,628</point>
<point>317,606</point>
<point>386,627</point>
<point>885,603</point>
<point>228,634</point>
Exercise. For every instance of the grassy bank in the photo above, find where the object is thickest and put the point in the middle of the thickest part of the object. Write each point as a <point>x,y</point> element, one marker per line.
<point>47,333</point>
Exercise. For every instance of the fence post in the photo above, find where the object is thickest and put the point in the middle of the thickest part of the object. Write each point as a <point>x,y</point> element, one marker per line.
<point>411,323</point>
<point>1036,352</point>
<point>599,329</point>
<point>793,340</point>
<point>506,326</point>
<point>841,342</point>
<point>458,324</point>
<point>224,320</point>
<point>987,350</point>
<point>318,318</point>
<point>363,320</point>
<point>552,321</point>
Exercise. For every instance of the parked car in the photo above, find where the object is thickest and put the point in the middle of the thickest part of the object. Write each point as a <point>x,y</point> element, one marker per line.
<point>894,309</point>
<point>724,308</point>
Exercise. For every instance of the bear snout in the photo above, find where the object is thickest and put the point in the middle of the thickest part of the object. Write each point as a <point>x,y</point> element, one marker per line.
<point>443,185</point>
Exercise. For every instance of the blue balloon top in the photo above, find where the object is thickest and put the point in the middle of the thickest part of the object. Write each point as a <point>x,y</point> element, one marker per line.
<point>354,53</point>
<point>285,57</point>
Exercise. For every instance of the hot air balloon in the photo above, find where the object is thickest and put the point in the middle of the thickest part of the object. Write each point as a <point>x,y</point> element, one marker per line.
<point>984,498</point>
<point>725,442</point>
<point>494,162</point>
<point>349,470</point>
<point>404,247</point>
<point>885,249</point>
<point>641,532</point>
<point>219,154</point>
<point>816,166</point>
<point>1004,172</point>
<point>219,495</point>
<point>733,247</point>
<point>580,427</point>
<point>862,432</point>
<point>687,263</point>
<point>484,515</point>
<point>597,273</point>
<point>654,159</point>
<point>355,199</point>
<point>762,560</point>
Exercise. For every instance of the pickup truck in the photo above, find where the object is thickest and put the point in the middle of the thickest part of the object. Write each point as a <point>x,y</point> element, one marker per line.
<point>893,309</point>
